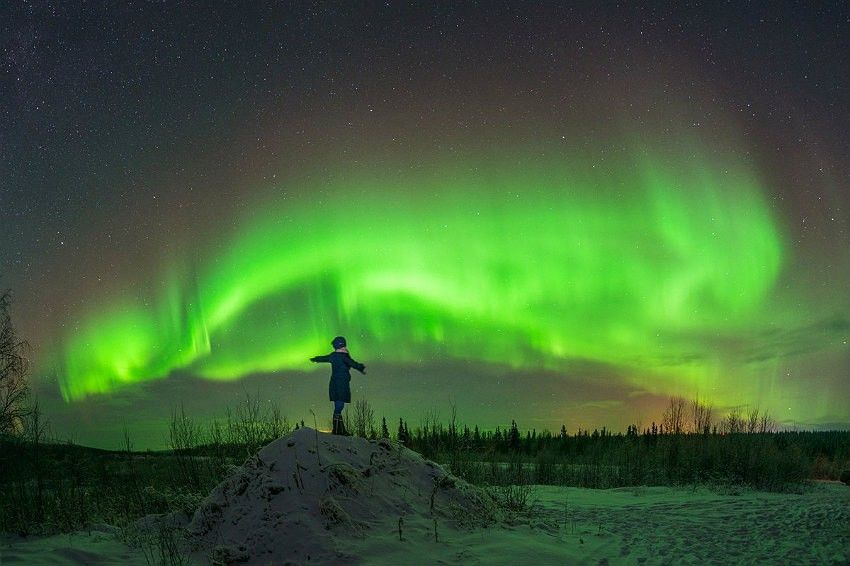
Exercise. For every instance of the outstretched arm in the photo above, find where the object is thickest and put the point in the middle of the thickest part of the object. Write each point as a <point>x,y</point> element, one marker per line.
<point>317,359</point>
<point>350,362</point>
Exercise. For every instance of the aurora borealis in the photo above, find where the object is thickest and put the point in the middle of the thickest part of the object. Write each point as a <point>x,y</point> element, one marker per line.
<point>520,213</point>
<point>586,265</point>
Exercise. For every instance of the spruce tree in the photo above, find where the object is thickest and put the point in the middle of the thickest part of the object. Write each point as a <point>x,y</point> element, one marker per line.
<point>400,435</point>
<point>513,437</point>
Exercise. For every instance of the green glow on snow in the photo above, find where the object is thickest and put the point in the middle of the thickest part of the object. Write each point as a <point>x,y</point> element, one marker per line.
<point>524,261</point>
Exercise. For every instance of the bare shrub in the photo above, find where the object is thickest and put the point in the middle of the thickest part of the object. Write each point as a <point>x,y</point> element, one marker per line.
<point>163,544</point>
<point>674,415</point>
<point>245,426</point>
<point>733,423</point>
<point>701,416</point>
<point>184,437</point>
<point>14,365</point>
<point>515,497</point>
<point>276,424</point>
<point>757,422</point>
<point>752,423</point>
<point>252,424</point>
<point>36,430</point>
<point>363,419</point>
<point>766,423</point>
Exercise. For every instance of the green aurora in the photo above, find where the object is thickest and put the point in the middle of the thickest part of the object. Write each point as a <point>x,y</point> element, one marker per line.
<point>526,261</point>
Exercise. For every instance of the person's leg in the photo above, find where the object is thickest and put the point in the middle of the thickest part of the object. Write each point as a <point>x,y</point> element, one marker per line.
<point>338,406</point>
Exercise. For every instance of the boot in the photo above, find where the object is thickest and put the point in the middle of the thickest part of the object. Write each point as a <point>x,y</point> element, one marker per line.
<point>337,422</point>
<point>342,430</point>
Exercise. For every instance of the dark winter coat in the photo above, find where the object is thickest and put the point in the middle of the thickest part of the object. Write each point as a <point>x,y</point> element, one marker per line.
<point>339,389</point>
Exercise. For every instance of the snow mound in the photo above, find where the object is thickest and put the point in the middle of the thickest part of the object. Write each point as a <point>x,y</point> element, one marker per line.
<point>303,497</point>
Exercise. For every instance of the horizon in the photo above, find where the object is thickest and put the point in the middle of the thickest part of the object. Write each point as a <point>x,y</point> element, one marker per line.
<point>153,434</point>
<point>120,445</point>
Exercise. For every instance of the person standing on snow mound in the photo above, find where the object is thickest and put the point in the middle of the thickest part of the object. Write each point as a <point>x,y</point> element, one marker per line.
<point>338,389</point>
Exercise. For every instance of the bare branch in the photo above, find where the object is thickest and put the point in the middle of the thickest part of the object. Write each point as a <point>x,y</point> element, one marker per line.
<point>14,365</point>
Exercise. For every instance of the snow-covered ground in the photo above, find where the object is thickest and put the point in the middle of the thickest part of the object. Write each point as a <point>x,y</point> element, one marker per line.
<point>99,545</point>
<point>339,500</point>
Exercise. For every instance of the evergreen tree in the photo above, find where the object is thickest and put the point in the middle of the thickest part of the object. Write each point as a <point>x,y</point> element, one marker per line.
<point>401,435</point>
<point>563,431</point>
<point>385,432</point>
<point>513,437</point>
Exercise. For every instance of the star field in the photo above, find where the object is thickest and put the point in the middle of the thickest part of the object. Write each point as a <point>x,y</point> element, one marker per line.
<point>564,213</point>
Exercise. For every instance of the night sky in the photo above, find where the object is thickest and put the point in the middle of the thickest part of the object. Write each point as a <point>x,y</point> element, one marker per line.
<point>541,212</point>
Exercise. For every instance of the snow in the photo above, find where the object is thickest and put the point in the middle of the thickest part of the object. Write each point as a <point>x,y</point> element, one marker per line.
<point>98,545</point>
<point>314,498</point>
<point>304,496</point>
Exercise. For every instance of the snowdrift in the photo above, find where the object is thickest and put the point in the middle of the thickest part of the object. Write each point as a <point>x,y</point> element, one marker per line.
<point>303,498</point>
